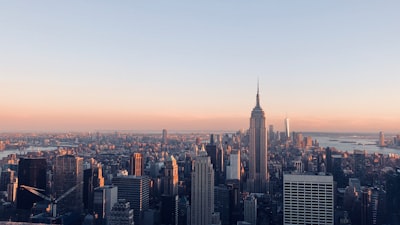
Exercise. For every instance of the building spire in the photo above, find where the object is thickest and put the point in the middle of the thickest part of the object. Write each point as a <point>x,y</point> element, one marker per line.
<point>258,93</point>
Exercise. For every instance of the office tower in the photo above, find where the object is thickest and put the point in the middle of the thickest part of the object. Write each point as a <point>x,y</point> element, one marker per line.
<point>134,189</point>
<point>359,163</point>
<point>6,178</point>
<point>202,205</point>
<point>271,133</point>
<point>365,216</point>
<point>104,198</point>
<point>299,140</point>
<point>233,169</point>
<point>68,174</point>
<point>92,178</point>
<point>308,199</point>
<point>222,203</point>
<point>382,139</point>
<point>282,137</point>
<point>373,206</point>
<point>337,171</point>
<point>169,199</point>
<point>258,174</point>
<point>287,131</point>
<point>183,211</point>
<point>12,190</point>
<point>393,196</point>
<point>250,210</point>
<point>121,214</point>
<point>308,142</point>
<point>227,202</point>
<point>31,172</point>
<point>216,156</point>
<point>136,164</point>
<point>170,176</point>
<point>165,136</point>
<point>169,209</point>
<point>329,164</point>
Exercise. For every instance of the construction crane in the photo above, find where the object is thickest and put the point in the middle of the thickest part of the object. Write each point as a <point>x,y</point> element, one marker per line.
<point>53,201</point>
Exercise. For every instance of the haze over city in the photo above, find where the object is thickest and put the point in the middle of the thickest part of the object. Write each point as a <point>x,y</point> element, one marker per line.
<point>328,66</point>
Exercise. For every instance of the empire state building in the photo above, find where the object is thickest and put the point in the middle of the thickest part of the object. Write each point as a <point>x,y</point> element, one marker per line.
<point>258,172</point>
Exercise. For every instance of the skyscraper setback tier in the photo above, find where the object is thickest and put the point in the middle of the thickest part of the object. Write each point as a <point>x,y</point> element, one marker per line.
<point>258,174</point>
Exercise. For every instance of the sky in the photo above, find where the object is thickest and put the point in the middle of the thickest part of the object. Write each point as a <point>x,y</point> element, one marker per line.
<point>329,66</point>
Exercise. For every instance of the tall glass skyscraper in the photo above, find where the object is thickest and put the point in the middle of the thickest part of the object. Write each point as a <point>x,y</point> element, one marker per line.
<point>31,172</point>
<point>258,174</point>
<point>68,173</point>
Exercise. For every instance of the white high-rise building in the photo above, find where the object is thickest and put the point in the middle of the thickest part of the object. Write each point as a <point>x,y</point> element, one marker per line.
<point>202,205</point>
<point>233,170</point>
<point>308,199</point>
<point>258,169</point>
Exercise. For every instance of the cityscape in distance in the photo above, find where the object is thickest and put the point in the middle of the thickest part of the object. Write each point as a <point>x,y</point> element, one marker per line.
<point>207,113</point>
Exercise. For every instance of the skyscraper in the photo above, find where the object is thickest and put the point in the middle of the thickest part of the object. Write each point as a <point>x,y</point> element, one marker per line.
<point>165,136</point>
<point>250,210</point>
<point>287,129</point>
<point>121,213</point>
<point>271,134</point>
<point>104,199</point>
<point>135,189</point>
<point>6,178</point>
<point>136,164</point>
<point>170,176</point>
<point>202,205</point>
<point>308,199</point>
<point>216,155</point>
<point>382,139</point>
<point>68,173</point>
<point>92,178</point>
<point>258,174</point>
<point>233,169</point>
<point>31,172</point>
<point>169,209</point>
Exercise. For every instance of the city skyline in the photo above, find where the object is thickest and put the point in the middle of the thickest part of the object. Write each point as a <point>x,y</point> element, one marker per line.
<point>80,66</point>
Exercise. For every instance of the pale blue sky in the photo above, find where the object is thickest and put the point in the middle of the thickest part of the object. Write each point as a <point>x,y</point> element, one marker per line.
<point>331,61</point>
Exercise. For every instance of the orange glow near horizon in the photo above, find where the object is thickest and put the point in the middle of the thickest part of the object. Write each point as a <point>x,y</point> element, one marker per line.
<point>108,120</point>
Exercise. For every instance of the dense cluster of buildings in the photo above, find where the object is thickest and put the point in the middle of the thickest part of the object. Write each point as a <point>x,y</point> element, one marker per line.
<point>247,177</point>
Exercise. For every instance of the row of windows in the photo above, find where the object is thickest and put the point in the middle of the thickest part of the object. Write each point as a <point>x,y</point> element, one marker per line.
<point>297,210</point>
<point>314,201</point>
<point>306,183</point>
<point>309,200</point>
<point>323,211</point>
<point>308,206</point>
<point>308,190</point>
